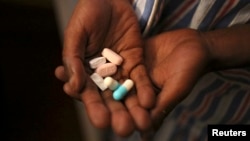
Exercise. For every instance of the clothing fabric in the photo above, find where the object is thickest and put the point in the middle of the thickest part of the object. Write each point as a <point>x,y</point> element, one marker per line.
<point>221,97</point>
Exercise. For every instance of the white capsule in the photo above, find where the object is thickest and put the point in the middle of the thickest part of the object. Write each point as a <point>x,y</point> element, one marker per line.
<point>112,56</point>
<point>98,80</point>
<point>111,83</point>
<point>96,62</point>
<point>107,69</point>
<point>123,89</point>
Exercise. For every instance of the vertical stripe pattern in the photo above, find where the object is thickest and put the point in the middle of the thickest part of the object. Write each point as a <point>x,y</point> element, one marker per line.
<point>218,98</point>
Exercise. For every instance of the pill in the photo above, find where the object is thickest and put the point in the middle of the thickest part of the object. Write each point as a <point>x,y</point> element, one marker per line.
<point>107,69</point>
<point>111,83</point>
<point>123,89</point>
<point>96,62</point>
<point>98,80</point>
<point>112,56</point>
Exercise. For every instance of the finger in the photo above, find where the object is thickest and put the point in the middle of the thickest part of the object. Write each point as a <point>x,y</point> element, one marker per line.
<point>60,74</point>
<point>140,115</point>
<point>77,77</point>
<point>75,39</point>
<point>122,122</point>
<point>170,95</point>
<point>137,72</point>
<point>98,113</point>
<point>79,83</point>
<point>144,87</point>
<point>164,105</point>
<point>69,91</point>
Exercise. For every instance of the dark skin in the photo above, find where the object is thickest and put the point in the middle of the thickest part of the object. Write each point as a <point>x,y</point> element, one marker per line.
<point>110,24</point>
<point>176,60</point>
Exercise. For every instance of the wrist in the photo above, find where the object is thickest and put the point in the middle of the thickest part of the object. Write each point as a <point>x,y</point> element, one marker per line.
<point>211,56</point>
<point>229,47</point>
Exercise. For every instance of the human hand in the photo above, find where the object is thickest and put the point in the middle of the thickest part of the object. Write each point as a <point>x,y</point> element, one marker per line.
<point>102,24</point>
<point>175,61</point>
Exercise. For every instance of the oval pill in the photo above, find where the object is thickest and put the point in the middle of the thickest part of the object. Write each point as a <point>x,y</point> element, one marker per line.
<point>98,80</point>
<point>107,69</point>
<point>96,62</point>
<point>112,56</point>
<point>123,89</point>
<point>111,83</point>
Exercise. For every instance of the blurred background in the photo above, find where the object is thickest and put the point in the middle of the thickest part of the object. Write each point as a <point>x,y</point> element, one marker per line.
<point>34,106</point>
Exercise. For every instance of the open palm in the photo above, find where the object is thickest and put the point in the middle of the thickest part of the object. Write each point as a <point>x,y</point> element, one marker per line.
<point>102,24</point>
<point>175,61</point>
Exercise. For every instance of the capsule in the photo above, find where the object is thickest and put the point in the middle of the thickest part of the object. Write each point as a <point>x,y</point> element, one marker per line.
<point>123,89</point>
<point>111,83</point>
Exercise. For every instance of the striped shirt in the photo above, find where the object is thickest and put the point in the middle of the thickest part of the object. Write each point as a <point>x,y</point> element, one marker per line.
<point>221,97</point>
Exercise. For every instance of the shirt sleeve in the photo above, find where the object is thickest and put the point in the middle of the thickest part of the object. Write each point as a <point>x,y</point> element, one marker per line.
<point>148,12</point>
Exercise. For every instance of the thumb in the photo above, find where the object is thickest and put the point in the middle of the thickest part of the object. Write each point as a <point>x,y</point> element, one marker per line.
<point>75,39</point>
<point>60,73</point>
<point>76,76</point>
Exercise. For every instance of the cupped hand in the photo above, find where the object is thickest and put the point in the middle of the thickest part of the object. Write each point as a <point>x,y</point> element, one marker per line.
<point>98,24</point>
<point>175,61</point>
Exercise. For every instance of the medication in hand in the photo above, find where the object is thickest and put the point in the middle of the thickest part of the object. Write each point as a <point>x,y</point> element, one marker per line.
<point>98,80</point>
<point>111,83</point>
<point>107,69</point>
<point>112,56</point>
<point>96,62</point>
<point>123,89</point>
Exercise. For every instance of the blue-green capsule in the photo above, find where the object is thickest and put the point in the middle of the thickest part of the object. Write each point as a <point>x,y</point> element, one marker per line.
<point>123,89</point>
